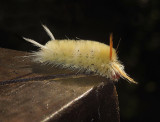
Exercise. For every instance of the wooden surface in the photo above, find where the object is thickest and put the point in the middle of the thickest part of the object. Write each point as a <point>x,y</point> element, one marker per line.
<point>86,99</point>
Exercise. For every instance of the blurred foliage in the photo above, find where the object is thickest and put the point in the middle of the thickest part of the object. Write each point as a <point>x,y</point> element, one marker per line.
<point>135,22</point>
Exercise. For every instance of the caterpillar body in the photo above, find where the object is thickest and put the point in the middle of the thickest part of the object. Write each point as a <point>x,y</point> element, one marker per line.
<point>83,55</point>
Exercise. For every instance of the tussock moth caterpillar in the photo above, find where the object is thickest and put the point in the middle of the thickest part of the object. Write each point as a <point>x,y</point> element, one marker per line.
<point>83,55</point>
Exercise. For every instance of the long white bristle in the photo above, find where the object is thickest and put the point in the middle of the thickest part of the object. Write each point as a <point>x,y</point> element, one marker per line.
<point>48,32</point>
<point>34,42</point>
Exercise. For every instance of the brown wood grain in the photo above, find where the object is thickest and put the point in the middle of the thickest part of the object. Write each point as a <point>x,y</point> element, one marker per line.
<point>73,99</point>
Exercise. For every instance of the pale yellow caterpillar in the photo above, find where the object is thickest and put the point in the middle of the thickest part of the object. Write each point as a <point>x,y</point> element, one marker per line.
<point>83,55</point>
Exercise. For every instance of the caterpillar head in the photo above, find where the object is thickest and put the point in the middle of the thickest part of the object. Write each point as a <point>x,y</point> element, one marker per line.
<point>116,67</point>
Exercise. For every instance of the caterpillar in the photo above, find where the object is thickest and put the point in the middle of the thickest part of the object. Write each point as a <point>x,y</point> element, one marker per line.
<point>84,55</point>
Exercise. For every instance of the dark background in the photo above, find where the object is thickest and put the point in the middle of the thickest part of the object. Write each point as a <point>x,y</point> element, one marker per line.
<point>134,22</point>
